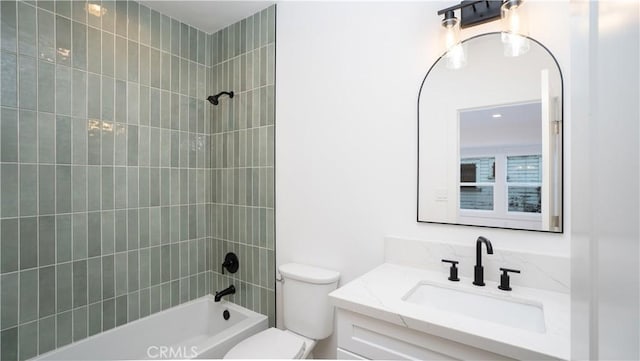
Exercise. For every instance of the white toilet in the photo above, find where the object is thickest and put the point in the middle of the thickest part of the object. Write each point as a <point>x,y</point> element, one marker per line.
<point>308,316</point>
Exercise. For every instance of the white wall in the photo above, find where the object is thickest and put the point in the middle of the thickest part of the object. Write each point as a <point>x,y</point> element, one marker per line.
<point>606,222</point>
<point>347,84</point>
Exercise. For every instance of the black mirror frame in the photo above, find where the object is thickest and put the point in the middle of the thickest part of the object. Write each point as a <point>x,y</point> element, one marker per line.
<point>561,152</point>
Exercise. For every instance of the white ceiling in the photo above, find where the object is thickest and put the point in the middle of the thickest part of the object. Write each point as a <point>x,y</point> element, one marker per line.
<point>207,15</point>
<point>519,124</point>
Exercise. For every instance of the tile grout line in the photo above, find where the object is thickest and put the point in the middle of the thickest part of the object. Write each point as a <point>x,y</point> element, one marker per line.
<point>86,178</point>
<point>102,255</point>
<point>18,104</point>
<point>55,109</point>
<point>76,308</point>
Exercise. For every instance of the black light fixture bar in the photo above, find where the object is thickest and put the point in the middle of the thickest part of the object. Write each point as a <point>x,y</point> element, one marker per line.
<point>473,12</point>
<point>459,6</point>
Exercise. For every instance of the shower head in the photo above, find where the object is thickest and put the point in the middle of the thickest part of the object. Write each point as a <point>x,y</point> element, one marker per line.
<point>213,99</point>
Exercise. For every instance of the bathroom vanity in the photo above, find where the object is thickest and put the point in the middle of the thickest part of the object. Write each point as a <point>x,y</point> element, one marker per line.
<point>408,309</point>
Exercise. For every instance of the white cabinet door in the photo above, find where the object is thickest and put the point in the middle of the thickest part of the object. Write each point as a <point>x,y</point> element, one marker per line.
<point>375,339</point>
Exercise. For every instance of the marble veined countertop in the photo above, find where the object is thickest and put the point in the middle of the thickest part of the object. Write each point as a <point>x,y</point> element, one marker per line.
<point>380,292</point>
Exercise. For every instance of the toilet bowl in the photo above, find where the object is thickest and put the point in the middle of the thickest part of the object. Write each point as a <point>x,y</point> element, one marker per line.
<point>308,316</point>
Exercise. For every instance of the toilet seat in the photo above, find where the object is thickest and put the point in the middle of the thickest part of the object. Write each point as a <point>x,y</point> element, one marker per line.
<point>271,343</point>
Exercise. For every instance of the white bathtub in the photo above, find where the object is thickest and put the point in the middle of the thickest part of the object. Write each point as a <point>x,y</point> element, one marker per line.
<point>194,330</point>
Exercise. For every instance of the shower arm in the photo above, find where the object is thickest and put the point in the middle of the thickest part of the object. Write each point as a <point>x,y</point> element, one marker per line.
<point>229,93</point>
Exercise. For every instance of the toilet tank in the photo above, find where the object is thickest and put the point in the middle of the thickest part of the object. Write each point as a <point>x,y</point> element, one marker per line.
<point>305,299</point>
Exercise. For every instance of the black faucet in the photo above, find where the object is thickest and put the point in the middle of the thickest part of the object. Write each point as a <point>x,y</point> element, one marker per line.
<point>478,278</point>
<point>227,291</point>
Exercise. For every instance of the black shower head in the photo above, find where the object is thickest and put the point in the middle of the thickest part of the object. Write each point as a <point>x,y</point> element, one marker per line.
<point>213,99</point>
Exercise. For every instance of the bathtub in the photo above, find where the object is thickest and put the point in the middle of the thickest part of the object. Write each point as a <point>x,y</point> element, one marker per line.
<point>193,330</point>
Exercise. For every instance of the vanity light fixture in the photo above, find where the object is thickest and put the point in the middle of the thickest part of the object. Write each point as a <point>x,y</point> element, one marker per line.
<point>496,115</point>
<point>475,12</point>
<point>479,12</point>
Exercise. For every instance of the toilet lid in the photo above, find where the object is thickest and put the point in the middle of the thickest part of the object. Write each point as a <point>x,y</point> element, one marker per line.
<point>271,343</point>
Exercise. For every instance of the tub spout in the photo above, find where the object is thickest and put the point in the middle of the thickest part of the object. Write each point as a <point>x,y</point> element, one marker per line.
<point>227,291</point>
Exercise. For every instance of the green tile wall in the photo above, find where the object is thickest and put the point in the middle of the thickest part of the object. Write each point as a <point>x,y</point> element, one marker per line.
<point>242,159</point>
<point>105,189</point>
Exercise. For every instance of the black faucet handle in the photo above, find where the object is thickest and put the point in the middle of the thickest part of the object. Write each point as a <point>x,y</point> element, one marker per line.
<point>453,270</point>
<point>504,278</point>
<point>231,263</point>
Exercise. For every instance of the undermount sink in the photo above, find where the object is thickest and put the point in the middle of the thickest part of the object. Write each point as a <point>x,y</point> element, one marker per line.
<point>520,314</point>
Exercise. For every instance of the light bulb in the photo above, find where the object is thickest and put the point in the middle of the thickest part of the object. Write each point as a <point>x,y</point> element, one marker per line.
<point>455,56</point>
<point>514,21</point>
<point>515,28</point>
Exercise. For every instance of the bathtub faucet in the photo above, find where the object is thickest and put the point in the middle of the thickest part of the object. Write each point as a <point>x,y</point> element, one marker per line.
<point>227,291</point>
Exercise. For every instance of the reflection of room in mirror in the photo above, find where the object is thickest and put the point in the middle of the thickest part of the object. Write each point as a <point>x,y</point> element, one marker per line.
<point>501,162</point>
<point>498,115</point>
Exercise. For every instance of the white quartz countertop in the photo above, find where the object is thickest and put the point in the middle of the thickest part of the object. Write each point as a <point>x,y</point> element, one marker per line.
<point>379,294</point>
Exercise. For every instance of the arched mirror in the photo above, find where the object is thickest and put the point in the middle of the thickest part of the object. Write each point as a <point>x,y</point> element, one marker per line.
<point>490,138</point>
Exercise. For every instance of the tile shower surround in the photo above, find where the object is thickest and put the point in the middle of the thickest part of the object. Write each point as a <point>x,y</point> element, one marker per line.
<point>120,187</point>
<point>242,159</point>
